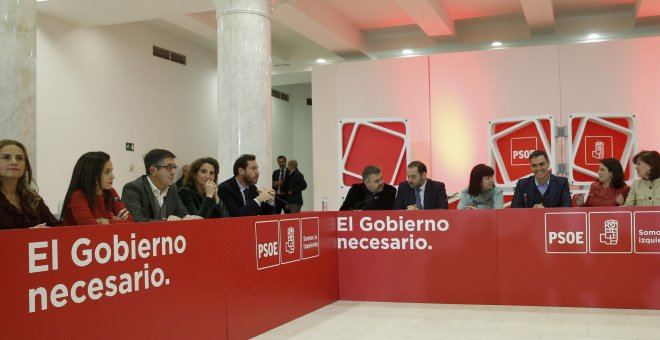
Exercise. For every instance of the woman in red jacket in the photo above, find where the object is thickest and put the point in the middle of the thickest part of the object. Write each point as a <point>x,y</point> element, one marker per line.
<point>609,190</point>
<point>91,198</point>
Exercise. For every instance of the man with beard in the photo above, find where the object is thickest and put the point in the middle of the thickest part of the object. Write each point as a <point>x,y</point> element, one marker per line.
<point>420,192</point>
<point>239,193</point>
<point>371,194</point>
<point>542,189</point>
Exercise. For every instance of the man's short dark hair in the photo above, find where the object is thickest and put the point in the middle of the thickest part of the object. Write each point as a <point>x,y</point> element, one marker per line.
<point>242,162</point>
<point>421,167</point>
<point>154,157</point>
<point>537,153</point>
<point>370,170</point>
<point>281,157</point>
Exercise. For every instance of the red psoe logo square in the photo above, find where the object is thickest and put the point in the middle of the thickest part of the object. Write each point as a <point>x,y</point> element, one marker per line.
<point>597,148</point>
<point>647,232</point>
<point>310,237</point>
<point>521,148</point>
<point>290,237</point>
<point>267,244</point>
<point>610,232</point>
<point>566,233</point>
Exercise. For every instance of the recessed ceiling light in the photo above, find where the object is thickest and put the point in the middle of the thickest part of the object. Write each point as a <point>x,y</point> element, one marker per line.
<point>407,51</point>
<point>593,36</point>
<point>496,44</point>
<point>41,0</point>
<point>321,61</point>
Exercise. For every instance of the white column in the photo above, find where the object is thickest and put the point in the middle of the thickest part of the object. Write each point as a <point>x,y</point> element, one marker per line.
<point>244,84</point>
<point>18,41</point>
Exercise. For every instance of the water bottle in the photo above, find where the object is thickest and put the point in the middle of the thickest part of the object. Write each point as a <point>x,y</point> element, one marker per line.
<point>324,204</point>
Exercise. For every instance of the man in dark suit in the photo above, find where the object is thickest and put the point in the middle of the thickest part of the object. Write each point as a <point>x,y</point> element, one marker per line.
<point>293,186</point>
<point>239,193</point>
<point>371,194</point>
<point>542,189</point>
<point>279,176</point>
<point>420,192</point>
<point>153,197</point>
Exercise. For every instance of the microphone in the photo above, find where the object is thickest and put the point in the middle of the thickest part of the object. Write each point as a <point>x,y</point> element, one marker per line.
<point>357,206</point>
<point>281,200</point>
<point>525,200</point>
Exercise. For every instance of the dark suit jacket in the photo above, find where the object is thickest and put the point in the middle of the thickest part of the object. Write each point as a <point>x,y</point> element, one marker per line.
<point>276,176</point>
<point>142,204</point>
<point>435,196</point>
<point>557,195</point>
<point>294,183</point>
<point>357,193</point>
<point>232,197</point>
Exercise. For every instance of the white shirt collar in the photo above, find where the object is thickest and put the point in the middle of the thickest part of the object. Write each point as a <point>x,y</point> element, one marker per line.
<point>159,194</point>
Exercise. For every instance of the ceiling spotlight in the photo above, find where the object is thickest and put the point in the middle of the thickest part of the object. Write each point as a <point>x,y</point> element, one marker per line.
<point>496,44</point>
<point>407,51</point>
<point>321,61</point>
<point>593,36</point>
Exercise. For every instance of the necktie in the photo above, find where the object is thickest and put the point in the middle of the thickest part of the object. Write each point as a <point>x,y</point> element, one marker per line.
<point>418,198</point>
<point>245,197</point>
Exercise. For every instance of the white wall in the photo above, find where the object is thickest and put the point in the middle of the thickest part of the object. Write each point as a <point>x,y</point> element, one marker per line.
<point>99,87</point>
<point>292,134</point>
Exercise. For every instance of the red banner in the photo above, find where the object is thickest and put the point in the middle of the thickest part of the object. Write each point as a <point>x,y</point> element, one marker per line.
<point>174,280</point>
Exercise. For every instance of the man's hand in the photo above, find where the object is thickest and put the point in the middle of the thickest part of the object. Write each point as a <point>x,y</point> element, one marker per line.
<point>412,207</point>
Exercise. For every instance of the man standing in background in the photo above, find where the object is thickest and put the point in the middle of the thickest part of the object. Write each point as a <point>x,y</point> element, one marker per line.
<point>279,176</point>
<point>293,186</point>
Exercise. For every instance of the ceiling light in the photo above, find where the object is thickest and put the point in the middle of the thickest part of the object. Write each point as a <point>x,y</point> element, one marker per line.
<point>593,36</point>
<point>496,44</point>
<point>321,61</point>
<point>407,51</point>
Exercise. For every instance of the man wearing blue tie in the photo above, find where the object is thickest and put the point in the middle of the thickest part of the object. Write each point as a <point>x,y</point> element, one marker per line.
<point>420,192</point>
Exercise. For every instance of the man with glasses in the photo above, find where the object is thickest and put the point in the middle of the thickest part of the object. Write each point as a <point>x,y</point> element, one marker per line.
<point>240,194</point>
<point>153,197</point>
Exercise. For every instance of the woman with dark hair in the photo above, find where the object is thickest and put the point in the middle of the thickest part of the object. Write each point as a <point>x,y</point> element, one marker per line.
<point>645,191</point>
<point>609,190</point>
<point>20,204</point>
<point>90,198</point>
<point>199,192</point>
<point>481,193</point>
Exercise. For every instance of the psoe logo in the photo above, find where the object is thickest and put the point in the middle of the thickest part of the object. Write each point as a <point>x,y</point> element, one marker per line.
<point>267,239</point>
<point>291,240</point>
<point>610,236</point>
<point>566,233</point>
<point>521,148</point>
<point>597,148</point>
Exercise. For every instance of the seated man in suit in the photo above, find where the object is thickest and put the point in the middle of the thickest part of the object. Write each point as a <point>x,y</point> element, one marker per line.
<point>420,192</point>
<point>293,186</point>
<point>279,176</point>
<point>542,189</point>
<point>239,193</point>
<point>371,194</point>
<point>153,197</point>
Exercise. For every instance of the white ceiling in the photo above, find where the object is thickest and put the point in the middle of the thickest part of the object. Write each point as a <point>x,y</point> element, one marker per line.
<point>341,30</point>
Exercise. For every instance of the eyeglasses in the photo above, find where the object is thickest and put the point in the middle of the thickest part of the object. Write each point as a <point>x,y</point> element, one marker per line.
<point>169,167</point>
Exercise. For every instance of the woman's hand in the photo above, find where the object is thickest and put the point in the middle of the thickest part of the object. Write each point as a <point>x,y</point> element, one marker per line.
<point>42,225</point>
<point>102,220</point>
<point>619,199</point>
<point>122,215</point>
<point>579,199</point>
<point>210,188</point>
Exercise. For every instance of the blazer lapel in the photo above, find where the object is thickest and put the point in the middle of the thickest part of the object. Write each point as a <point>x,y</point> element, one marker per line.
<point>153,203</point>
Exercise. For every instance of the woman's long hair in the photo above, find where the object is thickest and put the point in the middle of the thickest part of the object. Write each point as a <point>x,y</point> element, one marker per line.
<point>614,166</point>
<point>86,177</point>
<point>476,176</point>
<point>25,190</point>
<point>189,180</point>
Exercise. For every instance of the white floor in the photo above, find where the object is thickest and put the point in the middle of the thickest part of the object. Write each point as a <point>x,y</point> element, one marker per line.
<point>383,320</point>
